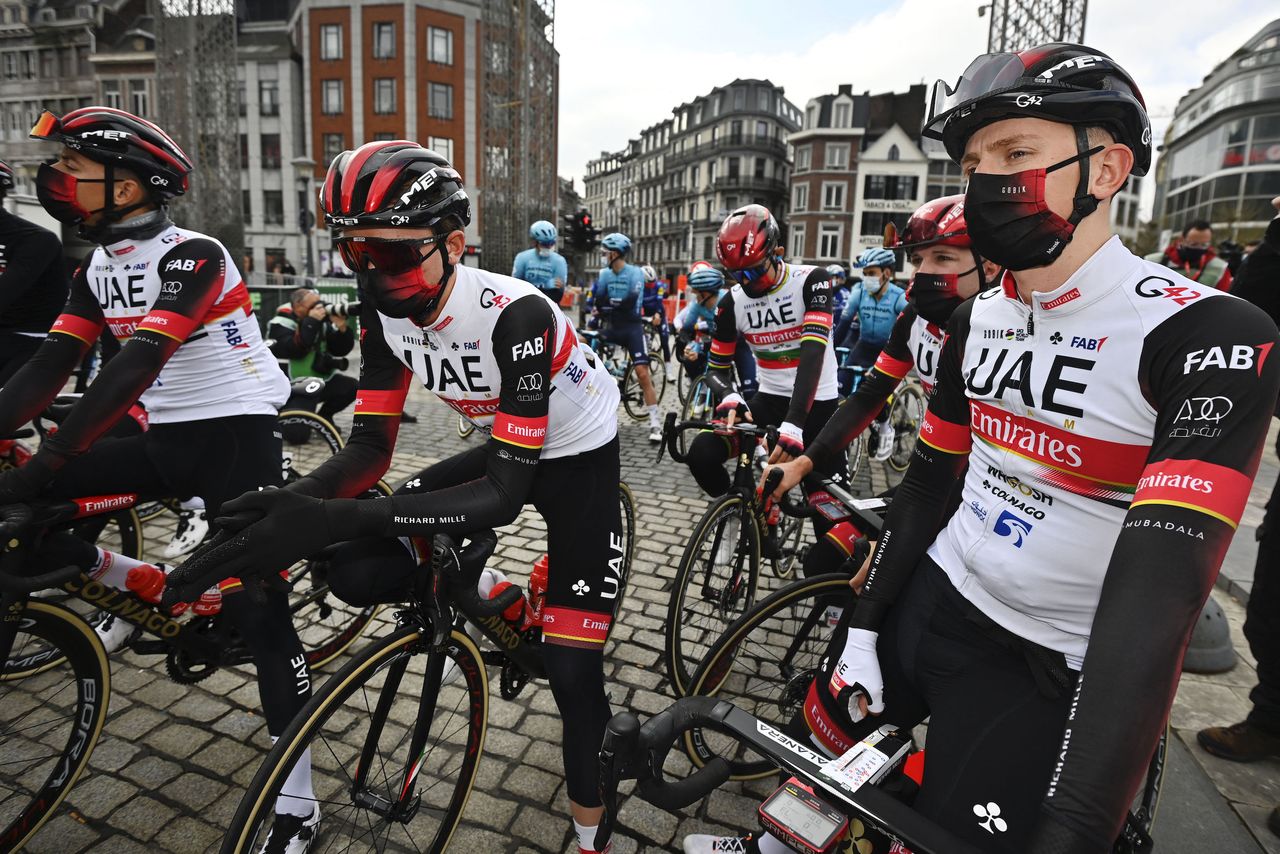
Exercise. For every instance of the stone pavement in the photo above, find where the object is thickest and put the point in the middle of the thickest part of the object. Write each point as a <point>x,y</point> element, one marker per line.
<point>168,771</point>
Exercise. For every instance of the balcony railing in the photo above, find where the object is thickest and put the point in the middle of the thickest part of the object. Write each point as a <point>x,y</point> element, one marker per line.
<point>750,182</point>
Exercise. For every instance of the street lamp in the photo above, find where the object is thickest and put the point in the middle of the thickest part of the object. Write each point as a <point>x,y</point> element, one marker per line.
<point>303,168</point>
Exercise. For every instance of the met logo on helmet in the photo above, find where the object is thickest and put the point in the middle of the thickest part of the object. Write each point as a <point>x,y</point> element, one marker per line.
<point>112,135</point>
<point>1076,62</point>
<point>424,182</point>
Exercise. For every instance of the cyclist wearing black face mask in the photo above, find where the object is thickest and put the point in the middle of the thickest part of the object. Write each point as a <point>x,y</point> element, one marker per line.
<point>1195,257</point>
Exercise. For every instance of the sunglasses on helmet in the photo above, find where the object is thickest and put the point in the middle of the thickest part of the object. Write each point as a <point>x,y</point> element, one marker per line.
<point>392,256</point>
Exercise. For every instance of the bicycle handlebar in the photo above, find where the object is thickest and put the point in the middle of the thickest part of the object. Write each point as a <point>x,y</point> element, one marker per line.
<point>671,430</point>
<point>632,751</point>
<point>462,568</point>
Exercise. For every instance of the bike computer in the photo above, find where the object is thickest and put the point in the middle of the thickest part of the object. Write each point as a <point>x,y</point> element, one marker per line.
<point>802,820</point>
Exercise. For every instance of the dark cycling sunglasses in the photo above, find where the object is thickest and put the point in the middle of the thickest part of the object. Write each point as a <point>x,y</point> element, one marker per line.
<point>748,276</point>
<point>392,256</point>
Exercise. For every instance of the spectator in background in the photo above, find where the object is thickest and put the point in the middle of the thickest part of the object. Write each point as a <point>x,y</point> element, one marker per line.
<point>1193,256</point>
<point>1258,735</point>
<point>312,339</point>
<point>33,284</point>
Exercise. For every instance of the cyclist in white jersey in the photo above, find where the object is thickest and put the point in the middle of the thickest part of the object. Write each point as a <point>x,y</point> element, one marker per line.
<point>193,354</point>
<point>500,352</point>
<point>1043,629</point>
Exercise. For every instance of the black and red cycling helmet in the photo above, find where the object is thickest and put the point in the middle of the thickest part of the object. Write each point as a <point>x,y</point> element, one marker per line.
<point>116,138</point>
<point>392,183</point>
<point>1061,82</point>
<point>747,238</point>
<point>937,222</point>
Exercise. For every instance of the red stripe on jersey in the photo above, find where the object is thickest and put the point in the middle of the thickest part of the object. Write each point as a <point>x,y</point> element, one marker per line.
<point>944,435</point>
<point>773,336</point>
<point>566,350</point>
<point>237,298</point>
<point>723,348</point>
<point>1198,485</point>
<point>1094,459</point>
<point>844,537</point>
<point>819,317</point>
<point>169,324</point>
<point>896,368</point>
<point>371,401</point>
<point>823,725</point>
<point>516,430</point>
<point>571,627</point>
<point>77,327</point>
<point>472,407</point>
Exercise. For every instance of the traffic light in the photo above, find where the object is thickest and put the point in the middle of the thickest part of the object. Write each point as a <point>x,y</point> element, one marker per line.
<point>581,235</point>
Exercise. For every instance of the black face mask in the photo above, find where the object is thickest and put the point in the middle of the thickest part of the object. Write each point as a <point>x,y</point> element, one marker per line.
<point>1193,257</point>
<point>936,295</point>
<point>1009,219</point>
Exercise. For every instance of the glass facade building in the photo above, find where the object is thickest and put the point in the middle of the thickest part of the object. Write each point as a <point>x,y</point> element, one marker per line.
<point>1221,154</point>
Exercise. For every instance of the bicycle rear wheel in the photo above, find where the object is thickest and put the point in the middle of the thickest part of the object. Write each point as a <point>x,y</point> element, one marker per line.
<point>310,439</point>
<point>906,414</point>
<point>627,508</point>
<point>393,751</point>
<point>698,405</point>
<point>765,662</point>
<point>715,583</point>
<point>54,688</point>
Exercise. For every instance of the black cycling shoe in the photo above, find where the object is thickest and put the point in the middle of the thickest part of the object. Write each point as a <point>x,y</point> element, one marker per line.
<point>292,834</point>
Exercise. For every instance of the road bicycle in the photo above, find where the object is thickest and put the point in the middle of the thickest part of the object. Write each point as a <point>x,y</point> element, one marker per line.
<point>55,679</point>
<point>618,362</point>
<point>906,407</point>
<point>396,735</point>
<point>718,574</point>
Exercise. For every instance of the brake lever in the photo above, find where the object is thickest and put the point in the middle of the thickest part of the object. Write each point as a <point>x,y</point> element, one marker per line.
<point>618,747</point>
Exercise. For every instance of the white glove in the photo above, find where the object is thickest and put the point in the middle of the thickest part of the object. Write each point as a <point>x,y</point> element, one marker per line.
<point>858,672</point>
<point>791,439</point>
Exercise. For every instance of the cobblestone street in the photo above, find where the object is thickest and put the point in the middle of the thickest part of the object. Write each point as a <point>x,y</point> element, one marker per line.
<point>172,762</point>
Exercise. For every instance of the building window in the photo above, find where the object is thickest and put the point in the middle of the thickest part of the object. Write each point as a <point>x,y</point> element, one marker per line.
<point>383,136</point>
<point>706,246</point>
<point>811,117</point>
<point>268,97</point>
<point>803,155</point>
<point>894,153</point>
<point>760,167</point>
<point>111,95</point>
<point>800,198</point>
<point>246,205</point>
<point>272,207</point>
<point>762,99</point>
<point>739,99</point>
<point>10,66</point>
<point>331,41</point>
<point>271,151</point>
<point>333,146</point>
<point>440,45</point>
<point>874,223</point>
<point>140,95</point>
<point>244,151</point>
<point>837,155</point>
<point>733,169</point>
<point>762,130</point>
<point>829,234</point>
<point>843,111</point>
<point>332,91</point>
<point>796,249</point>
<point>443,146</point>
<point>441,106</point>
<point>873,187</point>
<point>833,196</point>
<point>384,40</point>
<point>242,97</point>
<point>384,95</point>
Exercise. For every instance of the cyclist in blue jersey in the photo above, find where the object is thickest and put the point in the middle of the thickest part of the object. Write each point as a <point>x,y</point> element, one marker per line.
<point>839,289</point>
<point>876,301</point>
<point>696,321</point>
<point>618,298</point>
<point>541,265</point>
<point>655,310</point>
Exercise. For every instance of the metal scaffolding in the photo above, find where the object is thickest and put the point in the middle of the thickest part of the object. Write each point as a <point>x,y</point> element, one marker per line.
<point>1019,24</point>
<point>518,138</point>
<point>196,79</point>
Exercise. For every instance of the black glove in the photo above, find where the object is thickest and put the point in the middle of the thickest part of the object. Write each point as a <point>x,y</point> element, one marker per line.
<point>20,485</point>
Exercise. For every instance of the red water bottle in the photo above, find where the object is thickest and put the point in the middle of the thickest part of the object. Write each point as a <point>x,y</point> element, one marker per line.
<point>147,582</point>
<point>538,589</point>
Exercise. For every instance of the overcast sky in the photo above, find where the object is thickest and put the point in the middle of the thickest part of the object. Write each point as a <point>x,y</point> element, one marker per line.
<point>624,65</point>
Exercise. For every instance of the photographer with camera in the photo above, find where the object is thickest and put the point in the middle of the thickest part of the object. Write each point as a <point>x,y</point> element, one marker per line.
<point>311,338</point>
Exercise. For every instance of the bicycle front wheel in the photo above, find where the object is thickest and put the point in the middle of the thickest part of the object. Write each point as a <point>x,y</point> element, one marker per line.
<point>54,688</point>
<point>394,749</point>
<point>765,662</point>
<point>309,440</point>
<point>627,510</point>
<point>906,415</point>
<point>715,583</point>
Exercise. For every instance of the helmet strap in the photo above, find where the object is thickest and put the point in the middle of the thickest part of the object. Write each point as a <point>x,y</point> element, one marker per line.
<point>1085,202</point>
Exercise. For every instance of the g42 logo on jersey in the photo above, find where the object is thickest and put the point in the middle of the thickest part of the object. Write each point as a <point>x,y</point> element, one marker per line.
<point>1151,288</point>
<point>1240,357</point>
<point>189,265</point>
<point>489,298</point>
<point>1010,524</point>
<point>532,347</point>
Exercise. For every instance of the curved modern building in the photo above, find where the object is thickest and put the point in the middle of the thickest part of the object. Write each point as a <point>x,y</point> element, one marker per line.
<point>1221,154</point>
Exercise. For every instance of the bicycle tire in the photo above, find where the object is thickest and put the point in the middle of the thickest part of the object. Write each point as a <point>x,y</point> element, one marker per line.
<point>302,458</point>
<point>390,657</point>
<point>149,511</point>
<point>906,413</point>
<point>856,458</point>
<point>465,427</point>
<point>730,670</point>
<point>627,508</point>
<point>791,548</point>
<point>686,645</point>
<point>632,394</point>
<point>63,635</point>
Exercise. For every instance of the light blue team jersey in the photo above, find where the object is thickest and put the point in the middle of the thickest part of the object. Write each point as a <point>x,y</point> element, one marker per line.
<point>540,271</point>
<point>695,312</point>
<point>875,316</point>
<point>620,294</point>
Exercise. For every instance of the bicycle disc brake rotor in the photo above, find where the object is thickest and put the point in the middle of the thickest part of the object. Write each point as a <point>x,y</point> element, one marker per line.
<point>794,691</point>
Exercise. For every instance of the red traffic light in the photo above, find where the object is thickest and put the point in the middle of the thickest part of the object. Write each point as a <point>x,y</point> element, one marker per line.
<point>586,220</point>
